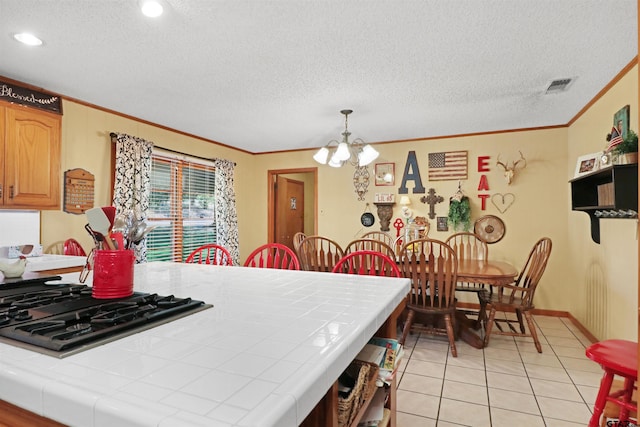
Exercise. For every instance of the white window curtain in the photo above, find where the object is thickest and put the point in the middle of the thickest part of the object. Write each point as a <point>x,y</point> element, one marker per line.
<point>132,181</point>
<point>226,215</point>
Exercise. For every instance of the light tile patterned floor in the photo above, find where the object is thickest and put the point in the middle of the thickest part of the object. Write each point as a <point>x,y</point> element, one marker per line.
<point>506,384</point>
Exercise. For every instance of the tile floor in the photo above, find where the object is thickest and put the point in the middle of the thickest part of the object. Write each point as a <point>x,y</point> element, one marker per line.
<point>506,384</point>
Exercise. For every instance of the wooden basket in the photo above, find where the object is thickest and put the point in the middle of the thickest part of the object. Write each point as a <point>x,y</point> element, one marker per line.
<point>348,407</point>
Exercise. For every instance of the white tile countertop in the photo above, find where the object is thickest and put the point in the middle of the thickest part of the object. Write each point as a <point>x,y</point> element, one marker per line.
<point>50,262</point>
<point>264,355</point>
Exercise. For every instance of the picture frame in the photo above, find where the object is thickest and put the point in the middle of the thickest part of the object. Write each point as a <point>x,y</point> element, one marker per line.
<point>621,121</point>
<point>587,163</point>
<point>385,174</point>
<point>442,223</point>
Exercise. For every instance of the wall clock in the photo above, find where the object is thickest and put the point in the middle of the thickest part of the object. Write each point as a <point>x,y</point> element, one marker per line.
<point>490,228</point>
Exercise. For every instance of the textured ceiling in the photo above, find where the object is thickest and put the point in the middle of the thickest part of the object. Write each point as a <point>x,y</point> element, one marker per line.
<point>271,75</point>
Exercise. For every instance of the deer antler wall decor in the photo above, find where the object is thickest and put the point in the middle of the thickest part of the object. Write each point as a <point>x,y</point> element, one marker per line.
<point>510,171</point>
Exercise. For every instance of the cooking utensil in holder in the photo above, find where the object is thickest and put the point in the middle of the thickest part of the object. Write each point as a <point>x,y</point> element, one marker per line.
<point>113,273</point>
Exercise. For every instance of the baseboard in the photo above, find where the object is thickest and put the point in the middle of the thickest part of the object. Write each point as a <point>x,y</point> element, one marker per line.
<point>541,312</point>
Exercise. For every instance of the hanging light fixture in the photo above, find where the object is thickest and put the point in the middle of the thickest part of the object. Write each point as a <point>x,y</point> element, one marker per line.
<point>356,152</point>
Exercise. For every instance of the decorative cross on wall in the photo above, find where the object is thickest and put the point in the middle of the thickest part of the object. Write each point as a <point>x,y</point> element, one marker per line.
<point>431,200</point>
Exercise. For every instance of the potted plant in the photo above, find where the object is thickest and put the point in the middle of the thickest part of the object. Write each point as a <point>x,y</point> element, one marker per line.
<point>459,215</point>
<point>627,150</point>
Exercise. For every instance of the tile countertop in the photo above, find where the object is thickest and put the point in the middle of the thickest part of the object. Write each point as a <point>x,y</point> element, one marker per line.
<point>264,355</point>
<point>50,262</point>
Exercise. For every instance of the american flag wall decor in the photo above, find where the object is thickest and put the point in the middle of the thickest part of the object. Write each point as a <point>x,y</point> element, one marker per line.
<point>446,166</point>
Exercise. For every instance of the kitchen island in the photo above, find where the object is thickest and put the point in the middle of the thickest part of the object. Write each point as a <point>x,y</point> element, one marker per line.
<point>267,352</point>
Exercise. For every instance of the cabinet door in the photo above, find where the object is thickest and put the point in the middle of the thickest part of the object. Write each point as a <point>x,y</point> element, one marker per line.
<point>32,159</point>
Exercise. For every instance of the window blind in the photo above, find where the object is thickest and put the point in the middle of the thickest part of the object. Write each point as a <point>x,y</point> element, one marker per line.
<point>182,204</point>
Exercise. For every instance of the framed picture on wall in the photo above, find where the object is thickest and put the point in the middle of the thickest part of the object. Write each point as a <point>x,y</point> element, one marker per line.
<point>587,164</point>
<point>385,174</point>
<point>621,121</point>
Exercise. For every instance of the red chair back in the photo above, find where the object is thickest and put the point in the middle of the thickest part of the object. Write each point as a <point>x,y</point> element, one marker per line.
<point>73,247</point>
<point>273,255</point>
<point>367,263</point>
<point>210,254</point>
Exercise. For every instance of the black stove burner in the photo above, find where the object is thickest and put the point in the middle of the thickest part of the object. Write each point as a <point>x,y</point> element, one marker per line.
<point>66,319</point>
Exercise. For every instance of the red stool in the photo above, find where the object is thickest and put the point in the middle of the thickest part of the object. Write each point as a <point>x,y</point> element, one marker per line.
<point>617,357</point>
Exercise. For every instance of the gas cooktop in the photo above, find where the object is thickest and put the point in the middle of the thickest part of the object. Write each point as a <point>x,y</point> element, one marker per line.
<point>62,319</point>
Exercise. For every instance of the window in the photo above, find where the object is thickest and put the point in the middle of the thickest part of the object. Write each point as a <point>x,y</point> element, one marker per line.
<point>182,204</point>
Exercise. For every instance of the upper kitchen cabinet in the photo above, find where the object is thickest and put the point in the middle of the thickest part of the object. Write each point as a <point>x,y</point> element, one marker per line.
<point>30,165</point>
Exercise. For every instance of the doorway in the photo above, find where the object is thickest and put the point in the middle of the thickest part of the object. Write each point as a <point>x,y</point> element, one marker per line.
<point>292,203</point>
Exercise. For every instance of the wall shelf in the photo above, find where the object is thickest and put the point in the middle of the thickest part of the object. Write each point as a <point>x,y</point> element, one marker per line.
<point>610,192</point>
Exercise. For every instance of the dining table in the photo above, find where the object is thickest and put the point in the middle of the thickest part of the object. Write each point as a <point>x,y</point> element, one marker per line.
<point>486,272</point>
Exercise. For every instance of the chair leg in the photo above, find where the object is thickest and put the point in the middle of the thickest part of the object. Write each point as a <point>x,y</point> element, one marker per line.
<point>520,322</point>
<point>452,339</point>
<point>601,399</point>
<point>407,326</point>
<point>482,314</point>
<point>489,326</point>
<point>532,329</point>
<point>628,391</point>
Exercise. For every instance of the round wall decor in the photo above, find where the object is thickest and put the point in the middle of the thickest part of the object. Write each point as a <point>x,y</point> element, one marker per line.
<point>490,228</point>
<point>367,219</point>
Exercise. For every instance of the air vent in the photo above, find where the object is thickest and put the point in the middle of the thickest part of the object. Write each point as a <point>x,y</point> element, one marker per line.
<point>559,85</point>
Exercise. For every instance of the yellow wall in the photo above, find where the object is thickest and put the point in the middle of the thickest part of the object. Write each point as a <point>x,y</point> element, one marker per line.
<point>542,198</point>
<point>86,144</point>
<point>541,195</point>
<point>608,271</point>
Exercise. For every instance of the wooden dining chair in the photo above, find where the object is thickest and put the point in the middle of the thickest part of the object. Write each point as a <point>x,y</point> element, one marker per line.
<point>432,267</point>
<point>297,238</point>
<point>72,247</point>
<point>470,246</point>
<point>379,235</point>
<point>318,253</point>
<point>518,297</point>
<point>367,263</point>
<point>210,253</point>
<point>370,245</point>
<point>273,255</point>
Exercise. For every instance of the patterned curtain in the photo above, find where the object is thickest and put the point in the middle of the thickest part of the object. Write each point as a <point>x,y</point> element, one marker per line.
<point>226,215</point>
<point>132,181</point>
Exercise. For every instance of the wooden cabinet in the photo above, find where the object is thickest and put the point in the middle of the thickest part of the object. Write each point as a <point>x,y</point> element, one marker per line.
<point>30,158</point>
<point>608,193</point>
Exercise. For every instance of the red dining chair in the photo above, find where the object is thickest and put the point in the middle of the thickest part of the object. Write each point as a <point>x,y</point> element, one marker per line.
<point>73,247</point>
<point>210,254</point>
<point>367,263</point>
<point>273,255</point>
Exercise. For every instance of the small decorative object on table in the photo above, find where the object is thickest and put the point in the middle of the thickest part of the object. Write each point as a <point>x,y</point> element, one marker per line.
<point>14,269</point>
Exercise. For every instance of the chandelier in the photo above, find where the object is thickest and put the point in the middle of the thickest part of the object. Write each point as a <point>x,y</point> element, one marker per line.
<point>357,152</point>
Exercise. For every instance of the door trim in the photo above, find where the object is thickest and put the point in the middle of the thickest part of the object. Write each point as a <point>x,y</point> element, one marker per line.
<point>271,174</point>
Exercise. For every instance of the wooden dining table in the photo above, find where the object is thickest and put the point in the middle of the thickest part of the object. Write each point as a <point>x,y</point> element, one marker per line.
<point>487,272</point>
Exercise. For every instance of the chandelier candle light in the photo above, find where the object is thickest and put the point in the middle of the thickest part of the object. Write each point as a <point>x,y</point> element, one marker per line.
<point>356,152</point>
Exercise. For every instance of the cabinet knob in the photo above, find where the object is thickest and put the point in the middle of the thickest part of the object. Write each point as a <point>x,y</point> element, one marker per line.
<point>11,191</point>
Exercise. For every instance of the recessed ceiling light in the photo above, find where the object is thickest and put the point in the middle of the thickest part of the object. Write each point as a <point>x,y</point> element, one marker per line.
<point>28,39</point>
<point>151,8</point>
